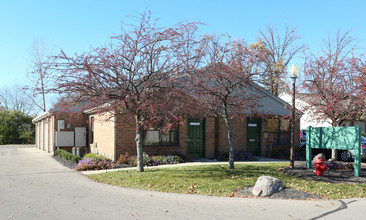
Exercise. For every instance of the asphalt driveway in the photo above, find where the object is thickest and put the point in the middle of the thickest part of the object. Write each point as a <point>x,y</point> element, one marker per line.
<point>34,186</point>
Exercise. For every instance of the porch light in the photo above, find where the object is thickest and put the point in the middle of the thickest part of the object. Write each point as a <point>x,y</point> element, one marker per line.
<point>294,71</point>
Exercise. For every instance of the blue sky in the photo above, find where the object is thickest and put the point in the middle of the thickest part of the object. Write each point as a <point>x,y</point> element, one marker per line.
<point>79,25</point>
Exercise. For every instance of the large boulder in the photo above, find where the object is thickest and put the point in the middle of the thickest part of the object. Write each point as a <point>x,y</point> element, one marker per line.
<point>321,155</point>
<point>267,185</point>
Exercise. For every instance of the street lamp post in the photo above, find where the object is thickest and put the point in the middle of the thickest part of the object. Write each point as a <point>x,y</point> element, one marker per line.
<point>294,71</point>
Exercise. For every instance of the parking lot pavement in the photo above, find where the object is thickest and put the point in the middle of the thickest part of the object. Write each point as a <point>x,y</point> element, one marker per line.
<point>34,186</point>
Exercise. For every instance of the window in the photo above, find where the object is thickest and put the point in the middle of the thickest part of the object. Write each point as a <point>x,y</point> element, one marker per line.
<point>278,131</point>
<point>160,137</point>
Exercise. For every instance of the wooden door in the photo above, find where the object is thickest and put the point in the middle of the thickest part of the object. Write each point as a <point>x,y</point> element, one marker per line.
<point>254,136</point>
<point>195,138</point>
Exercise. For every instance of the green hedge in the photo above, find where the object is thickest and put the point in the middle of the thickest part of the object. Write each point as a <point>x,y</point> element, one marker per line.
<point>95,156</point>
<point>68,156</point>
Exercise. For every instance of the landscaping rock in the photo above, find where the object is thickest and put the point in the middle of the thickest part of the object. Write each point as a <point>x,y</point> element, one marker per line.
<point>321,155</point>
<point>266,186</point>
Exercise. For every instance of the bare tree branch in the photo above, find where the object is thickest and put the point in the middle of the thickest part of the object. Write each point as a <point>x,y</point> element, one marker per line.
<point>281,50</point>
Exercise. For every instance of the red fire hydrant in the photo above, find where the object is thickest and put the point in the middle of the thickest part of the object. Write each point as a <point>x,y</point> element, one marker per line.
<point>319,167</point>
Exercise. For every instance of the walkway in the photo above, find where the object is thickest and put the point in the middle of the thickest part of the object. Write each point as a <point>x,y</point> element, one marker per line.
<point>34,186</point>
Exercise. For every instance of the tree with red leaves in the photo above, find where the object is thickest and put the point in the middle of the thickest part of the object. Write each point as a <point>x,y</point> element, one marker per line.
<point>224,87</point>
<point>135,74</point>
<point>331,81</point>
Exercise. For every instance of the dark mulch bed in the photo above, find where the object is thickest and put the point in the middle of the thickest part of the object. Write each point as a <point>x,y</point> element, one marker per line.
<point>300,170</point>
<point>66,163</point>
<point>286,193</point>
<point>331,176</point>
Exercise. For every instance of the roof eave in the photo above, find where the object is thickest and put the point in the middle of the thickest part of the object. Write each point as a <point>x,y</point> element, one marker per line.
<point>41,117</point>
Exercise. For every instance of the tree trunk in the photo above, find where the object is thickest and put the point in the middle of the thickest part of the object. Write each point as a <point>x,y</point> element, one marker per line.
<point>139,141</point>
<point>231,144</point>
<point>43,95</point>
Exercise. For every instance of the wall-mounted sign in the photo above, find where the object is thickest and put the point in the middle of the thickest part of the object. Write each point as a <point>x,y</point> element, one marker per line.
<point>194,123</point>
<point>251,139</point>
<point>252,125</point>
<point>60,124</point>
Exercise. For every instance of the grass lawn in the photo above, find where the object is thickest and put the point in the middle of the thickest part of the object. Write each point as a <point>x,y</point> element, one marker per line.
<point>218,180</point>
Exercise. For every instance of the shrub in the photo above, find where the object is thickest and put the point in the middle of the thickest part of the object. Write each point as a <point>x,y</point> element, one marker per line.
<point>132,160</point>
<point>241,155</point>
<point>96,163</point>
<point>57,152</point>
<point>334,165</point>
<point>123,158</point>
<point>169,159</point>
<point>161,159</point>
<point>95,156</point>
<point>68,156</point>
<point>75,158</point>
<point>150,160</point>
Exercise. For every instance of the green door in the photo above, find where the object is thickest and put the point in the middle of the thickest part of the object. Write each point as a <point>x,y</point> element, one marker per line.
<point>254,136</point>
<point>195,138</point>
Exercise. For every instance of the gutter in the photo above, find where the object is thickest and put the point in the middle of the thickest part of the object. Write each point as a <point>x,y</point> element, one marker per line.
<point>41,117</point>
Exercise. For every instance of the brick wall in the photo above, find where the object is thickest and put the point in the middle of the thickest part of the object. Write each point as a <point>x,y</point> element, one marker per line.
<point>239,134</point>
<point>71,121</point>
<point>126,133</point>
<point>103,134</point>
<point>215,137</point>
<point>210,137</point>
<point>44,126</point>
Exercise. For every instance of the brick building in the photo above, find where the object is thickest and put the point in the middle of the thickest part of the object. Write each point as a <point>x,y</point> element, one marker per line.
<point>56,129</point>
<point>113,134</point>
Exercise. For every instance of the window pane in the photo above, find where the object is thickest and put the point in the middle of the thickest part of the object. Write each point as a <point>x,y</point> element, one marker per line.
<point>165,138</point>
<point>272,124</point>
<point>285,138</point>
<point>285,125</point>
<point>273,138</point>
<point>151,138</point>
<point>169,138</point>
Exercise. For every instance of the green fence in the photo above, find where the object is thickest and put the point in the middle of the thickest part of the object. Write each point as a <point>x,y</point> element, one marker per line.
<point>340,138</point>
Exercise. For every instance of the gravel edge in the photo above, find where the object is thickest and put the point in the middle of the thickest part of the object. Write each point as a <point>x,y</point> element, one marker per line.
<point>65,163</point>
<point>286,193</point>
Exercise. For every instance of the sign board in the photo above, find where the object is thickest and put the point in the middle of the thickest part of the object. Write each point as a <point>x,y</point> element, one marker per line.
<point>341,138</point>
<point>252,125</point>
<point>64,139</point>
<point>195,123</point>
<point>60,124</point>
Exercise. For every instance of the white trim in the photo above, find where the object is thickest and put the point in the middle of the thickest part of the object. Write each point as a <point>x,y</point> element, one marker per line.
<point>46,135</point>
<point>38,135</point>
<point>50,136</point>
<point>41,116</point>
<point>96,109</point>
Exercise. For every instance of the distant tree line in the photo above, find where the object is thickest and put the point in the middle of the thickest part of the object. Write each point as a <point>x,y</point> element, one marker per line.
<point>16,127</point>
